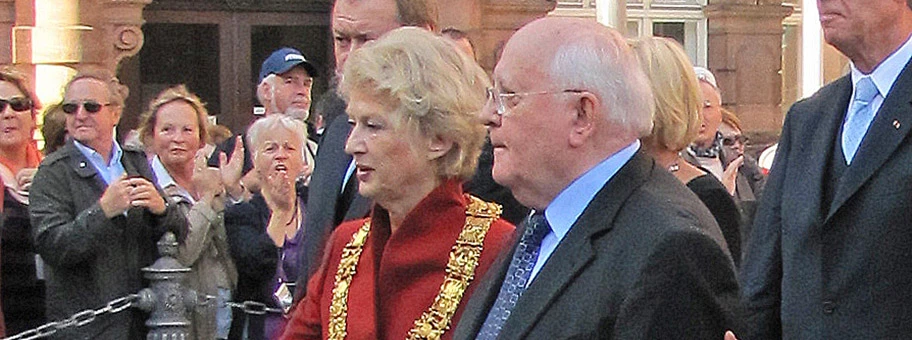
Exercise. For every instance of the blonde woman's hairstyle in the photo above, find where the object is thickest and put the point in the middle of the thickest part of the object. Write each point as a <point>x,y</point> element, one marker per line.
<point>676,92</point>
<point>731,119</point>
<point>434,90</point>
<point>117,91</point>
<point>149,118</point>
<point>263,127</point>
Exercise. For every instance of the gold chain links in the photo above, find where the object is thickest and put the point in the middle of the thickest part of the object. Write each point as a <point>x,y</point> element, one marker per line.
<point>460,272</point>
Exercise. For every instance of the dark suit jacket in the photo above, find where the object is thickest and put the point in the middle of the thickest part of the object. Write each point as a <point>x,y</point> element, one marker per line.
<point>323,204</point>
<point>326,210</point>
<point>645,260</point>
<point>843,270</point>
<point>256,258</point>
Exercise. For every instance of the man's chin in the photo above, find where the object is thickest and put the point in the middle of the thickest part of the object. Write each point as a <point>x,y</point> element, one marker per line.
<point>298,113</point>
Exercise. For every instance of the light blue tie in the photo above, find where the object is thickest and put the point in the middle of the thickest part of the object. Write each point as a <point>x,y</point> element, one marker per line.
<point>517,276</point>
<point>859,118</point>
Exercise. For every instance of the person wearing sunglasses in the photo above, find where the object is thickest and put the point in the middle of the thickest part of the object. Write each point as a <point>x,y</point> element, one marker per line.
<point>97,213</point>
<point>22,287</point>
<point>743,172</point>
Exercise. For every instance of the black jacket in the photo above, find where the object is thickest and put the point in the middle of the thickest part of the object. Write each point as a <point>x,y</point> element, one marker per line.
<point>90,258</point>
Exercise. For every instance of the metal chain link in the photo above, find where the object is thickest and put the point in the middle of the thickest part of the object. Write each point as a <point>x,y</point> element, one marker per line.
<point>77,320</point>
<point>254,307</point>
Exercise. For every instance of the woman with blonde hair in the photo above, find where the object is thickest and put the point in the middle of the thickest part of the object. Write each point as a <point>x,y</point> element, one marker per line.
<point>408,269</point>
<point>174,128</point>
<point>676,124</point>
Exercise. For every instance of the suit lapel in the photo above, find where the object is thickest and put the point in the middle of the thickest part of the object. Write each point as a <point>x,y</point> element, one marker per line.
<point>817,147</point>
<point>575,251</point>
<point>890,127</point>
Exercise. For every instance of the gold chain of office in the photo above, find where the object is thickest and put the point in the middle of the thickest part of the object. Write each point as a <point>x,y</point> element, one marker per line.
<point>460,272</point>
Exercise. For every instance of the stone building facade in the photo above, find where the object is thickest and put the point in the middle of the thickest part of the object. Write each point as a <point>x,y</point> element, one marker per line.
<point>216,46</point>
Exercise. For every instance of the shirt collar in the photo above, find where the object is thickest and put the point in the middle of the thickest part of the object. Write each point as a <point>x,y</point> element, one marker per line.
<point>167,183</point>
<point>164,179</point>
<point>567,207</point>
<point>92,155</point>
<point>885,74</point>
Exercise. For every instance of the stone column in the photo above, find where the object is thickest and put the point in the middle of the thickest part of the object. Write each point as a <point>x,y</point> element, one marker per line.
<point>52,39</point>
<point>7,21</point>
<point>122,27</point>
<point>745,54</point>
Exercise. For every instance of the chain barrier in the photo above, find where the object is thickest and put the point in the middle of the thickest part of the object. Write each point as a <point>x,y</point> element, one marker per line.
<point>77,320</point>
<point>254,307</point>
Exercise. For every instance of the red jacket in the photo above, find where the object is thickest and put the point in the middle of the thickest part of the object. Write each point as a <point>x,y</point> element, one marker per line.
<point>397,276</point>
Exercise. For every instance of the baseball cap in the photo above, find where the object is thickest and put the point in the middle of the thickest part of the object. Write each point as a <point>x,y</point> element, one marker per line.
<point>283,60</point>
<point>706,75</point>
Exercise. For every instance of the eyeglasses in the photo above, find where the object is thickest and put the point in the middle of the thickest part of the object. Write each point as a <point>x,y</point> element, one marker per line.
<point>90,106</point>
<point>494,96</point>
<point>18,104</point>
<point>732,140</point>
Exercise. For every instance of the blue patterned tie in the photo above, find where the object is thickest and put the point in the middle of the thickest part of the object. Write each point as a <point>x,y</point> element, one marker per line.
<point>517,276</point>
<point>859,118</point>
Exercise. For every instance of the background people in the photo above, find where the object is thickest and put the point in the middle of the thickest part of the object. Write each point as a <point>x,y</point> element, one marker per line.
<point>96,214</point>
<point>748,180</point>
<point>677,104</point>
<point>175,128</point>
<point>23,288</point>
<point>266,232</point>
<point>286,80</point>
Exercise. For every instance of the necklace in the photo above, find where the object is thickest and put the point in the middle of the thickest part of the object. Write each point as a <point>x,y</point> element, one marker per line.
<point>674,167</point>
<point>294,216</point>
<point>460,272</point>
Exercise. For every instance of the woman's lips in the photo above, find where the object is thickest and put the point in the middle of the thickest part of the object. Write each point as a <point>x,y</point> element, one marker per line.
<point>363,172</point>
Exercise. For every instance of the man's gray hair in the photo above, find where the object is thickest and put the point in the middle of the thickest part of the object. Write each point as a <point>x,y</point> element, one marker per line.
<point>603,64</point>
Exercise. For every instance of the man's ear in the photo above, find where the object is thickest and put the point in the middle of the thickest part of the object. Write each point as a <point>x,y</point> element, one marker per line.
<point>118,112</point>
<point>438,146</point>
<point>264,93</point>
<point>584,124</point>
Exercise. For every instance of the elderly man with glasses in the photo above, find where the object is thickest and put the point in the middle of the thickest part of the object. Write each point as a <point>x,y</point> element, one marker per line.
<point>617,247</point>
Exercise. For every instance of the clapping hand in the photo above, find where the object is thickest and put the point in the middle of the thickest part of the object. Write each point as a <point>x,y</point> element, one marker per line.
<point>730,175</point>
<point>231,170</point>
<point>207,181</point>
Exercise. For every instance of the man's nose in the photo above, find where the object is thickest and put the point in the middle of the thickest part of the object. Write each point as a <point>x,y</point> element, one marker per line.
<point>489,114</point>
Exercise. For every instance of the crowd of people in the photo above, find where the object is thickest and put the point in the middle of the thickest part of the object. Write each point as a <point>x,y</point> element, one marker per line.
<point>592,187</point>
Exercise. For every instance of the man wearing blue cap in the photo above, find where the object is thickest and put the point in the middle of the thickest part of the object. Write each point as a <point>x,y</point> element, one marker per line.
<point>286,78</point>
<point>285,83</point>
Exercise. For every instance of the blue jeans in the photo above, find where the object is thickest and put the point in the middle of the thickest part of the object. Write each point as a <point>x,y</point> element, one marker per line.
<point>223,314</point>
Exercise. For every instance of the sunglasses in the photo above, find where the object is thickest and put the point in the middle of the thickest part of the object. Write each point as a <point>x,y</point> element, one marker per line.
<point>90,106</point>
<point>16,103</point>
<point>731,141</point>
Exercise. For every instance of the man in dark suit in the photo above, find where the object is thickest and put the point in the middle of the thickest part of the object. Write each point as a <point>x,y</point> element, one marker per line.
<point>617,247</point>
<point>333,195</point>
<point>829,255</point>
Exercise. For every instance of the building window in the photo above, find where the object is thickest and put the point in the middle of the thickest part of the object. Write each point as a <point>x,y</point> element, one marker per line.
<point>682,20</point>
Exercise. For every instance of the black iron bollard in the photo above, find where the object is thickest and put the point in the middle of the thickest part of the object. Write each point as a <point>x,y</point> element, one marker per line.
<point>167,300</point>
